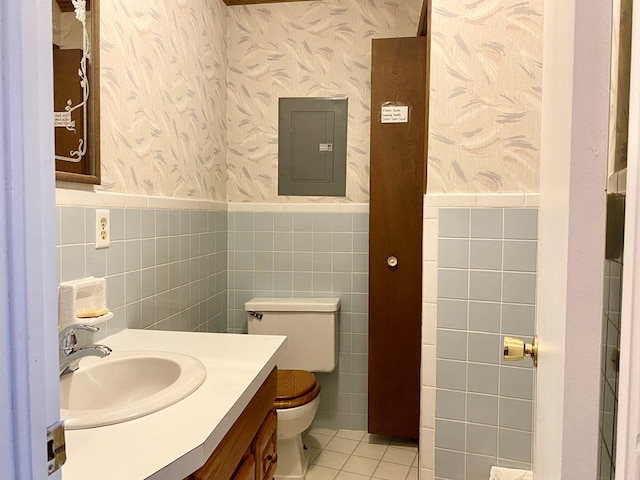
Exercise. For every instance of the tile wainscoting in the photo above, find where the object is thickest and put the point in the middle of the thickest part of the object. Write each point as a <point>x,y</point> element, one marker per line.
<point>302,250</point>
<point>480,254</point>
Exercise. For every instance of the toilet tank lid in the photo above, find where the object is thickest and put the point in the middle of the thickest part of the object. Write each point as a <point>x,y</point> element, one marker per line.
<point>292,305</point>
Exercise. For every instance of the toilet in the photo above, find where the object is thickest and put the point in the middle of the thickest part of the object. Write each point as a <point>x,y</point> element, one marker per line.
<point>311,327</point>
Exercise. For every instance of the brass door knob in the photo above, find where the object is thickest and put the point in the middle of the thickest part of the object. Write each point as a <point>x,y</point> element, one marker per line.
<point>392,261</point>
<point>515,349</point>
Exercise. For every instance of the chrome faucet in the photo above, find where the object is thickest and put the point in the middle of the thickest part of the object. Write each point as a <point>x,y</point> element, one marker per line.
<point>72,355</point>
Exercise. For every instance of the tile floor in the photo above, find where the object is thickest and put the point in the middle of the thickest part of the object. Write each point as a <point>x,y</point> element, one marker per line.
<point>355,455</point>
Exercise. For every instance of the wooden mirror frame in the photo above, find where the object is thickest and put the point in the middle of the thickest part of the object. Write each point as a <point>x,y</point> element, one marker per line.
<point>92,175</point>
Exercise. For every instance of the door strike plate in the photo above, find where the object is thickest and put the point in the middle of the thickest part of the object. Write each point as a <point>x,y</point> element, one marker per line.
<point>56,449</point>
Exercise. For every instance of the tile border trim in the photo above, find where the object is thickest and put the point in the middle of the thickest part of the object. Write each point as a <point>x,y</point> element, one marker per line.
<point>482,200</point>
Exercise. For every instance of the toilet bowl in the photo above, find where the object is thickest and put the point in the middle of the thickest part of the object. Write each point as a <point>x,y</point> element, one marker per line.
<point>296,404</point>
<point>310,325</point>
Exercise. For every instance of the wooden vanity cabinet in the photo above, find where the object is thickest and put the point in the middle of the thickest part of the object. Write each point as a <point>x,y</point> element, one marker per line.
<point>249,450</point>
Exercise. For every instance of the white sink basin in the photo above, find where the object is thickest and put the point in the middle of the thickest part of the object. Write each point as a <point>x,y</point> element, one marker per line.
<point>126,385</point>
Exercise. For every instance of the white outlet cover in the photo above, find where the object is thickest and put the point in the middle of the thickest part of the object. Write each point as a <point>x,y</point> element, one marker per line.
<point>103,229</point>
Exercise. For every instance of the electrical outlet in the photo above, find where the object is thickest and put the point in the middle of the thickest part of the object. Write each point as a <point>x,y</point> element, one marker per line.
<point>103,229</point>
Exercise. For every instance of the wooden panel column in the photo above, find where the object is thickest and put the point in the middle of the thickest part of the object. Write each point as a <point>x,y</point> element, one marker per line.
<point>398,172</point>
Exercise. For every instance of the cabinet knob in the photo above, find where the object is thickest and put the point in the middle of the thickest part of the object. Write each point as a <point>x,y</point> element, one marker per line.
<point>392,261</point>
<point>272,457</point>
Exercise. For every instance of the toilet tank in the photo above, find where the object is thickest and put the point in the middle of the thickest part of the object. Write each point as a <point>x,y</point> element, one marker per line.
<point>310,324</point>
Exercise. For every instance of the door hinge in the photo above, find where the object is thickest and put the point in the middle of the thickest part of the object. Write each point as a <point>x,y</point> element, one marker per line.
<point>56,450</point>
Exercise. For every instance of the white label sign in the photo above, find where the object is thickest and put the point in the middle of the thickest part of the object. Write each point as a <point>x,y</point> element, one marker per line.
<point>62,119</point>
<point>395,114</point>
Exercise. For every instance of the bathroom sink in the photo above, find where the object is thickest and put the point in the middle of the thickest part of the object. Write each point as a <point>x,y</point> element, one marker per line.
<point>126,385</point>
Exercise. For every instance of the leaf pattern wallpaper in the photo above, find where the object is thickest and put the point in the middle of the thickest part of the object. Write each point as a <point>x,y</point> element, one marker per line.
<point>305,49</point>
<point>163,97</point>
<point>486,96</point>
<point>190,92</point>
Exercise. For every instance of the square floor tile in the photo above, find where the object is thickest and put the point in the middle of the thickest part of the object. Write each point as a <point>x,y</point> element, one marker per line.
<point>413,474</point>
<point>317,472</point>
<point>399,455</point>
<point>316,440</point>
<point>361,465</point>
<point>351,434</point>
<point>342,445</point>
<point>351,476</point>
<point>331,459</point>
<point>370,450</point>
<point>390,471</point>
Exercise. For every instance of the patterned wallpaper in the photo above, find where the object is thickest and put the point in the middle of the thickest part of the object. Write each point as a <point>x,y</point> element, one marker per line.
<point>163,97</point>
<point>486,94</point>
<point>316,49</point>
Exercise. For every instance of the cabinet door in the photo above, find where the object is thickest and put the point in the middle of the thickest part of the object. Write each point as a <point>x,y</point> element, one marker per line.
<point>265,448</point>
<point>247,470</point>
<point>398,171</point>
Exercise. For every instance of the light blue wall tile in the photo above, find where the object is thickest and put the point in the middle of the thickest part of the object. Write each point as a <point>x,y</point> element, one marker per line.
<point>519,288</point>
<point>148,282</point>
<point>148,252</point>
<point>485,285</point>
<point>185,222</point>
<point>321,262</point>
<point>342,242</point>
<point>479,466</point>
<point>302,262</point>
<point>302,222</point>
<point>484,316</point>
<point>322,242</point>
<point>322,222</point>
<point>515,445</point>
<point>518,319</point>
<point>516,383</point>
<point>133,286</point>
<point>72,259</point>
<point>244,222</point>
<point>453,222</point>
<point>483,378</point>
<point>486,222</point>
<point>343,223</point>
<point>115,290</point>
<point>484,348</point>
<point>361,242</point>
<point>451,344</point>
<point>516,414</point>
<point>360,222</point>
<point>72,222</point>
<point>264,242</point>
<point>162,223</point>
<point>453,284</point>
<point>482,409</point>
<point>451,375</point>
<point>116,215</point>
<point>302,242</point>
<point>520,256</point>
<point>486,254</point>
<point>263,222</point>
<point>449,464</point>
<point>283,222</point>
<point>453,253</point>
<point>452,314</point>
<point>360,263</point>
<point>450,404</point>
<point>115,258</point>
<point>96,261</point>
<point>282,241</point>
<point>148,223</point>
<point>90,225</point>
<point>132,255</point>
<point>283,261</point>
<point>521,223</point>
<point>132,223</point>
<point>450,435</point>
<point>482,439</point>
<point>302,281</point>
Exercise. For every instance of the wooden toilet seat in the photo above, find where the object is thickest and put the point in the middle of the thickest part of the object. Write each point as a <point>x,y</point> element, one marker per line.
<point>295,388</point>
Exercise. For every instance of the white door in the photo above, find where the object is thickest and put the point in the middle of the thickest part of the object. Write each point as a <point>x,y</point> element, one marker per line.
<point>577,46</point>
<point>28,307</point>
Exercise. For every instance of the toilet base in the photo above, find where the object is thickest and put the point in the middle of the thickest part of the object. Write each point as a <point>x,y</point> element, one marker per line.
<point>293,459</point>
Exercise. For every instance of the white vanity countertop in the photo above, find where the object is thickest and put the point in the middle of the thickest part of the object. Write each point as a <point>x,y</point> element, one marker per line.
<point>176,441</point>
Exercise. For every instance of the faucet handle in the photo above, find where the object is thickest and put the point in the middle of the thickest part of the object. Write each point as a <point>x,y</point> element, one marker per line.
<point>68,338</point>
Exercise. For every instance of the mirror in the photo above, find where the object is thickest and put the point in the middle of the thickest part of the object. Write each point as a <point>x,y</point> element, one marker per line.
<point>76,87</point>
